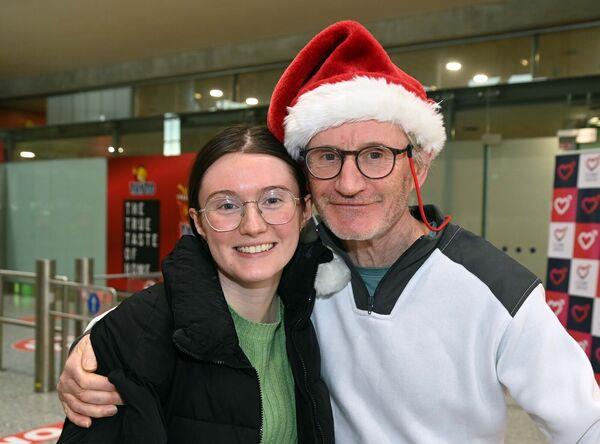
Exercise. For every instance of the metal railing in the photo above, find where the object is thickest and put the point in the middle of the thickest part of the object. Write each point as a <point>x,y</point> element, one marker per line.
<point>52,292</point>
<point>58,298</point>
<point>40,357</point>
<point>47,287</point>
<point>121,294</point>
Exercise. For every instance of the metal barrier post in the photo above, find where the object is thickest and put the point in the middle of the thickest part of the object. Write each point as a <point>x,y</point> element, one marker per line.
<point>1,323</point>
<point>64,323</point>
<point>84,274</point>
<point>44,331</point>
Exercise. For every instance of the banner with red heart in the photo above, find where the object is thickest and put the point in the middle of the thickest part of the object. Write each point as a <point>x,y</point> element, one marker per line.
<point>572,278</point>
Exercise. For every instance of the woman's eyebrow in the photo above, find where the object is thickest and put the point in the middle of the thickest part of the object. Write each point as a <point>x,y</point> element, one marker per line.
<point>225,192</point>
<point>234,194</point>
<point>274,187</point>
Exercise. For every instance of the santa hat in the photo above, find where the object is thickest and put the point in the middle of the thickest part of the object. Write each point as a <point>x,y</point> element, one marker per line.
<point>344,75</point>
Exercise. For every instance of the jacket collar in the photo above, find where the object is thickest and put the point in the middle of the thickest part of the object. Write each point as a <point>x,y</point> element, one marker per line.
<point>203,326</point>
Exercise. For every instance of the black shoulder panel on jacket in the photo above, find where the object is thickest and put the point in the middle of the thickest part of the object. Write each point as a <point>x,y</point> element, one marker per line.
<point>508,280</point>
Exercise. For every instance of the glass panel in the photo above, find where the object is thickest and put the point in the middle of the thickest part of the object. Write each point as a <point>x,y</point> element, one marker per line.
<point>2,212</point>
<point>498,60</point>
<point>520,192</point>
<point>542,120</point>
<point>175,97</point>
<point>257,85</point>
<point>64,148</point>
<point>56,210</point>
<point>215,93</point>
<point>454,183</point>
<point>570,53</point>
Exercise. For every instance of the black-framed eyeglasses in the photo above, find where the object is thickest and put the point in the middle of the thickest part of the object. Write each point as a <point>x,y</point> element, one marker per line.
<point>374,162</point>
<point>225,212</point>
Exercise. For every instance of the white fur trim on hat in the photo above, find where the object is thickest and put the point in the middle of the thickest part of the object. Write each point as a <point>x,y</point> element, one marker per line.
<point>331,277</point>
<point>360,99</point>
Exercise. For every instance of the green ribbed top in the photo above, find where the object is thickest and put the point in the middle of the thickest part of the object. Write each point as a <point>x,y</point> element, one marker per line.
<point>264,345</point>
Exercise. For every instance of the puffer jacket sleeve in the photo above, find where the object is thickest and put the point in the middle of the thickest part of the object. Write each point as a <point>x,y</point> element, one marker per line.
<point>133,348</point>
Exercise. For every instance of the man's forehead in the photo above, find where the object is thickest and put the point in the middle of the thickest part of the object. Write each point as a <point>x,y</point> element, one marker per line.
<point>356,134</point>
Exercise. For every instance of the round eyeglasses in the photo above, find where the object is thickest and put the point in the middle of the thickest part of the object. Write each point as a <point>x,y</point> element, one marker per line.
<point>224,212</point>
<point>373,162</point>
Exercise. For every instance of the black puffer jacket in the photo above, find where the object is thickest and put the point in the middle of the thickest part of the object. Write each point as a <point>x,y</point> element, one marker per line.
<point>173,354</point>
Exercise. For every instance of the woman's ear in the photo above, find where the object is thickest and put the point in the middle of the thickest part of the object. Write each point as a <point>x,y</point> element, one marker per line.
<point>306,211</point>
<point>195,215</point>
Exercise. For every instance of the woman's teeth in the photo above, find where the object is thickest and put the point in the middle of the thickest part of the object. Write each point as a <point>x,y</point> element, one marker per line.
<point>255,248</point>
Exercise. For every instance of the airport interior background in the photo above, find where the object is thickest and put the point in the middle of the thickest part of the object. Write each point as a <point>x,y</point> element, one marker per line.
<point>86,86</point>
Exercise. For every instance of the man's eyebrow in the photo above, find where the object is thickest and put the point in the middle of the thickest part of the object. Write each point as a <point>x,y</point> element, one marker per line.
<point>362,145</point>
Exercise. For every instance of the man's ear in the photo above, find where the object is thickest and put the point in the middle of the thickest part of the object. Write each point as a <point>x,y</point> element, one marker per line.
<point>195,215</point>
<point>422,168</point>
<point>422,174</point>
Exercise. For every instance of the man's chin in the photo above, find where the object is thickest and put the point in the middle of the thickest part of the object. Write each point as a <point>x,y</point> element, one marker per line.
<point>347,232</point>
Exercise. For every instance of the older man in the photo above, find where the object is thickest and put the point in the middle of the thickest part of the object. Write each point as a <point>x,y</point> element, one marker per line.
<point>436,324</point>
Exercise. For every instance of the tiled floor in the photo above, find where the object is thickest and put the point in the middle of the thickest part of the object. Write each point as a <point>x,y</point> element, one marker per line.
<point>21,409</point>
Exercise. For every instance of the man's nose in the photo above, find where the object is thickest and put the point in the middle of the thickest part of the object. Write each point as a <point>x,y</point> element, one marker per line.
<point>252,223</point>
<point>350,181</point>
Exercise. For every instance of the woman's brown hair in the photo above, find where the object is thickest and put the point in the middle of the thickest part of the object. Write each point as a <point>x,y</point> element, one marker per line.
<point>239,139</point>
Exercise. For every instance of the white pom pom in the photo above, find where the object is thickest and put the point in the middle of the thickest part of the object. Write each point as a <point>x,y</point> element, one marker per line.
<point>332,277</point>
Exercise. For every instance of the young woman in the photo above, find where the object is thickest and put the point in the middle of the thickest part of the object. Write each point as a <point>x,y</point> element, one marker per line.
<point>224,350</point>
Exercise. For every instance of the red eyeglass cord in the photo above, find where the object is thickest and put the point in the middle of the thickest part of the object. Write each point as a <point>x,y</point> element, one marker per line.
<point>447,219</point>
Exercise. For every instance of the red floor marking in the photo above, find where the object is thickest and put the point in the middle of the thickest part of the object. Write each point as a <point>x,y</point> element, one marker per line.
<point>28,344</point>
<point>47,434</point>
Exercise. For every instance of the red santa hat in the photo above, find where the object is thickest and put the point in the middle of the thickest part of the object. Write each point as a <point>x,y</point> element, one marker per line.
<point>344,75</point>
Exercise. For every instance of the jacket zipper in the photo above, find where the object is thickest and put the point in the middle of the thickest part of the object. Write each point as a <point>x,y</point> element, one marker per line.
<point>260,436</point>
<point>219,362</point>
<point>371,303</point>
<point>312,399</point>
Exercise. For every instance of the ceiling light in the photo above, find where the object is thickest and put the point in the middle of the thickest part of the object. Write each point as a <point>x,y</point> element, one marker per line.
<point>251,101</point>
<point>111,149</point>
<point>524,62</point>
<point>480,78</point>
<point>216,93</point>
<point>197,96</point>
<point>121,150</point>
<point>27,154</point>
<point>453,66</point>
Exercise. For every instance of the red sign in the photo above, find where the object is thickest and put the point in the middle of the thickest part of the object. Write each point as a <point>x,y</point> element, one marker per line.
<point>47,434</point>
<point>147,212</point>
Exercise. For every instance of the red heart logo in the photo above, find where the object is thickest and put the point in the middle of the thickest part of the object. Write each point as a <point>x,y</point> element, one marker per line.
<point>559,233</point>
<point>592,162</point>
<point>587,238</point>
<point>583,270</point>
<point>557,275</point>
<point>589,204</point>
<point>557,306</point>
<point>565,170</point>
<point>580,312</point>
<point>562,204</point>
